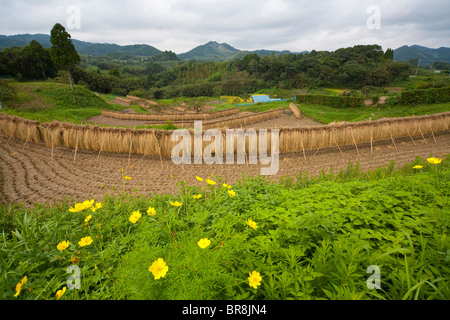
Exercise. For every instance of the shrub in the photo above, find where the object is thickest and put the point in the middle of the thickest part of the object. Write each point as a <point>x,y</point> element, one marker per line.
<point>332,101</point>
<point>425,96</point>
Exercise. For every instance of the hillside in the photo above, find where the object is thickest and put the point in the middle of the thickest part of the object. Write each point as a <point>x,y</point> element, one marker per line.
<point>86,48</point>
<point>426,55</point>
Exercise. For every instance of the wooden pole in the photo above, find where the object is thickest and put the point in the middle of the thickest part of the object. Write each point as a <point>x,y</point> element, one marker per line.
<point>354,141</point>
<point>303,148</point>
<point>28,135</point>
<point>411,138</point>
<point>431,129</point>
<point>392,138</point>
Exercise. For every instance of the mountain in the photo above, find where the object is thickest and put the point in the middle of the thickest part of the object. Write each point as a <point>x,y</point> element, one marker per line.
<point>426,55</point>
<point>213,51</point>
<point>85,48</point>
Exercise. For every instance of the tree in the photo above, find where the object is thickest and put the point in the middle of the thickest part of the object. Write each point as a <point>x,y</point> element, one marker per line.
<point>63,52</point>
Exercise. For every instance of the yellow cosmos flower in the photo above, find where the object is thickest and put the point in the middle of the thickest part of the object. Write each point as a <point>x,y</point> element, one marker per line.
<point>210,182</point>
<point>20,285</point>
<point>197,196</point>
<point>159,269</point>
<point>176,204</point>
<point>433,160</point>
<point>60,293</point>
<point>82,206</point>
<point>151,211</point>
<point>86,241</point>
<point>251,224</point>
<point>127,178</point>
<point>63,245</point>
<point>231,193</point>
<point>97,206</point>
<point>88,218</point>
<point>135,216</point>
<point>254,280</point>
<point>203,243</point>
<point>418,167</point>
<point>198,178</point>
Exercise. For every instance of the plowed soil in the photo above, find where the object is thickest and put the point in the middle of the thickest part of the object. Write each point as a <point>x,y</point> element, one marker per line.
<point>32,173</point>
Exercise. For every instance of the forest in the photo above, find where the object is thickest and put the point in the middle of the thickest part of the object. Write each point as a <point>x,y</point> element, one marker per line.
<point>166,76</point>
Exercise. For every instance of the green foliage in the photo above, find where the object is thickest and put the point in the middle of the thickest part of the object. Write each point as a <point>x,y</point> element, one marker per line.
<point>331,101</point>
<point>425,96</point>
<point>63,51</point>
<point>315,239</point>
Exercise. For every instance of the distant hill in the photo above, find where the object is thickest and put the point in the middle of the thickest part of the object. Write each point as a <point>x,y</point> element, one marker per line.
<point>426,55</point>
<point>86,48</point>
<point>213,51</point>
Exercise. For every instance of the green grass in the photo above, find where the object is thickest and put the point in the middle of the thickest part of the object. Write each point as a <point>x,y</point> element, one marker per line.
<point>48,101</point>
<point>326,115</point>
<point>315,239</point>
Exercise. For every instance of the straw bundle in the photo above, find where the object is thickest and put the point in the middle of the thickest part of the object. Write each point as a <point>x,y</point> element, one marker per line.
<point>158,142</point>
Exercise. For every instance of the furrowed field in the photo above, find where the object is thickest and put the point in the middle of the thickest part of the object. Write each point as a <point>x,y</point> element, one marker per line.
<point>299,238</point>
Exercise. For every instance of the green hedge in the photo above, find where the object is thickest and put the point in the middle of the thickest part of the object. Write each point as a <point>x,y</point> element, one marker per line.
<point>425,96</point>
<point>331,101</point>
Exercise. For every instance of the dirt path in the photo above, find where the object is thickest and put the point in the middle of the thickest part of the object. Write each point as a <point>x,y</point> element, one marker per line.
<point>29,175</point>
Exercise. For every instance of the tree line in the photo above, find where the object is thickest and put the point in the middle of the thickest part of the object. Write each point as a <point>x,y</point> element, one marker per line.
<point>352,68</point>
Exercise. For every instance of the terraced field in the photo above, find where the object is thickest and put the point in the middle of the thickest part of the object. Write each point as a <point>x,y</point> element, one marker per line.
<point>30,173</point>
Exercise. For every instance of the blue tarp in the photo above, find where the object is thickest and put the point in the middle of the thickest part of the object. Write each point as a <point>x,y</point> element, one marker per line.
<point>263,99</point>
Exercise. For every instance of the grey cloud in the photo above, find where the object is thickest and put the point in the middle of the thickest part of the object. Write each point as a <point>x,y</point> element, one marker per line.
<point>180,25</point>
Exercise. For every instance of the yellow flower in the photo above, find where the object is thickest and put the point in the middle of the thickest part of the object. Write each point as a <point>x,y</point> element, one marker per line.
<point>433,160</point>
<point>418,167</point>
<point>159,269</point>
<point>198,178</point>
<point>82,206</point>
<point>251,224</point>
<point>176,204</point>
<point>151,211</point>
<point>85,241</point>
<point>231,193</point>
<point>197,196</point>
<point>135,216</point>
<point>127,178</point>
<point>60,293</point>
<point>63,245</point>
<point>97,206</point>
<point>89,217</point>
<point>203,243</point>
<point>254,280</point>
<point>20,285</point>
<point>210,182</point>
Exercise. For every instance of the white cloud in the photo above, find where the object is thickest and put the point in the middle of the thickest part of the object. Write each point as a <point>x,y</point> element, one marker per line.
<point>180,25</point>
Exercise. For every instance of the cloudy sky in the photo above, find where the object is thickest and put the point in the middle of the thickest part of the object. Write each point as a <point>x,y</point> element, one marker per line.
<point>180,25</point>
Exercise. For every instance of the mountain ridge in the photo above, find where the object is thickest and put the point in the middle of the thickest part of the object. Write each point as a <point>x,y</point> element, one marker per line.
<point>211,51</point>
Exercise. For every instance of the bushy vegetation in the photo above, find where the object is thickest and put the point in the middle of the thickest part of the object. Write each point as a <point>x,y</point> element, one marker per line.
<point>425,96</point>
<point>307,238</point>
<point>331,101</point>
